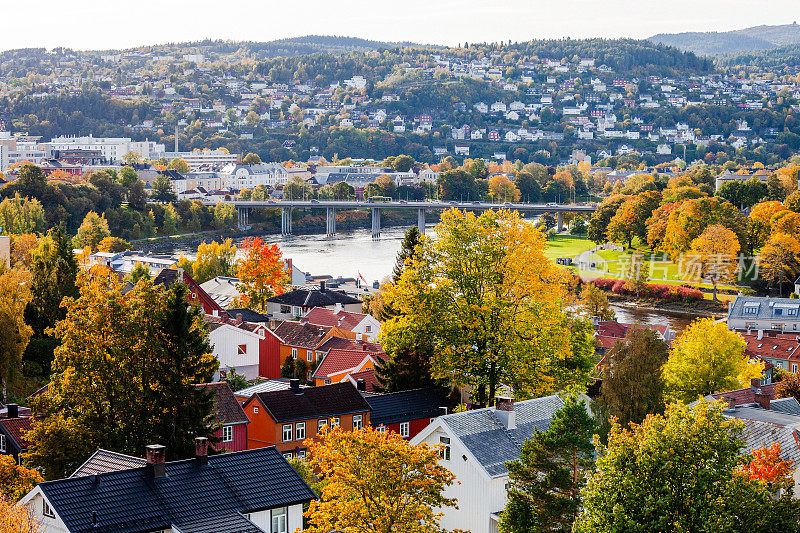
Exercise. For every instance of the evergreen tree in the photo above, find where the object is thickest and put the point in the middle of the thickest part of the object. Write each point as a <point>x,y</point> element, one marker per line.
<point>54,271</point>
<point>411,240</point>
<point>546,480</point>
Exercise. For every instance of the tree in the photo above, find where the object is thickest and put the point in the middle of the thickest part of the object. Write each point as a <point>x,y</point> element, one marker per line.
<point>491,304</point>
<point>707,357</point>
<point>631,217</point>
<point>632,386</point>
<point>503,189</point>
<point>124,375</point>
<point>20,215</point>
<point>22,248</point>
<point>16,518</point>
<point>262,274</point>
<point>713,256</point>
<point>343,191</point>
<point>546,480</point>
<point>251,159</point>
<point>179,165</point>
<point>92,231</point>
<point>139,272</point>
<point>54,271</point>
<point>657,225</point>
<point>403,163</point>
<point>113,245</point>
<point>376,483</point>
<point>639,486</point>
<point>15,480</point>
<point>688,221</point>
<point>594,303</point>
<point>127,176</point>
<point>788,387</point>
<point>456,185</point>
<point>162,189</point>
<point>793,201</point>
<point>601,218</point>
<point>224,215</point>
<point>137,197</point>
<point>14,332</point>
<point>132,158</point>
<point>780,259</point>
<point>767,465</point>
<point>578,226</point>
<point>214,259</point>
<point>530,189</point>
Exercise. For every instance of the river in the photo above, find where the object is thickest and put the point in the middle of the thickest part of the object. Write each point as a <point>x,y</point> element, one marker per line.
<point>354,252</point>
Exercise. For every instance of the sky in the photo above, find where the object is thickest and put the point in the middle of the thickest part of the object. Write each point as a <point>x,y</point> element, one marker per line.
<point>108,24</point>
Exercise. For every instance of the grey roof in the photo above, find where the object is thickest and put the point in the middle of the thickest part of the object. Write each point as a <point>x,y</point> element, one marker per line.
<point>103,461</point>
<point>766,307</point>
<point>232,523</point>
<point>221,289</point>
<point>265,386</point>
<point>786,405</point>
<point>765,427</point>
<point>486,438</point>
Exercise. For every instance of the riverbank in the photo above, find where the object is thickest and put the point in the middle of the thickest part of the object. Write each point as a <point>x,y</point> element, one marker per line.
<point>698,309</point>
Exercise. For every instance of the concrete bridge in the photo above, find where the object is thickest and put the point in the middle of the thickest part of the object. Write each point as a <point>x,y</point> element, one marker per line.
<point>243,208</point>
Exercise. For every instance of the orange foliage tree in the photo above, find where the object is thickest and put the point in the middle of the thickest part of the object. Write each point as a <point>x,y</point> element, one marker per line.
<point>768,466</point>
<point>15,518</point>
<point>376,483</point>
<point>262,274</point>
<point>16,481</point>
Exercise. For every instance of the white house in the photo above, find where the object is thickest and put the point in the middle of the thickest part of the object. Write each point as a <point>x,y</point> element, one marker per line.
<point>476,446</point>
<point>366,327</point>
<point>766,314</point>
<point>236,346</point>
<point>249,176</point>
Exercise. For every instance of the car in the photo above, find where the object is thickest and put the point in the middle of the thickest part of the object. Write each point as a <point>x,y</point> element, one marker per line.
<point>552,204</point>
<point>403,202</point>
<point>453,202</point>
<point>508,204</point>
<point>314,201</point>
<point>476,202</point>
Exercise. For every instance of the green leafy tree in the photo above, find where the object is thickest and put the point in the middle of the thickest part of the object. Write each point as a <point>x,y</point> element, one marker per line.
<point>251,159</point>
<point>601,218</point>
<point>546,480</point>
<point>403,163</point>
<point>680,473</point>
<point>92,231</point>
<point>162,189</point>
<point>20,215</point>
<point>127,176</point>
<point>138,273</point>
<point>179,165</point>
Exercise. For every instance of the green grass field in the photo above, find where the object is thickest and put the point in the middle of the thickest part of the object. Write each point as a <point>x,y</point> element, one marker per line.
<point>567,246</point>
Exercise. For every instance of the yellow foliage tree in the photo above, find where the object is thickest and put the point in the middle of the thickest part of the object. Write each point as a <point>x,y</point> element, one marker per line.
<point>14,332</point>
<point>707,357</point>
<point>503,189</point>
<point>780,259</point>
<point>376,483</point>
<point>15,518</point>
<point>15,480</point>
<point>714,254</point>
<point>92,231</point>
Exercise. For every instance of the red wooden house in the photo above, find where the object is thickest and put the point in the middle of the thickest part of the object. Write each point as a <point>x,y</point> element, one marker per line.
<point>406,412</point>
<point>229,413</point>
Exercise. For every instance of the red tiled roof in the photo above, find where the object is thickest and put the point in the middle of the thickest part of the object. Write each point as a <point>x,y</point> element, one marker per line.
<point>301,335</point>
<point>340,343</point>
<point>339,361</point>
<point>17,427</point>
<point>746,396</point>
<point>780,346</point>
<point>345,320</point>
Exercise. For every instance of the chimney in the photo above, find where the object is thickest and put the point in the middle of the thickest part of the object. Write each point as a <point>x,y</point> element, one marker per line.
<point>201,451</point>
<point>155,461</point>
<point>239,318</point>
<point>731,403</point>
<point>13,410</point>
<point>361,385</point>
<point>321,286</point>
<point>337,307</point>
<point>760,334</point>
<point>294,385</point>
<point>504,410</point>
<point>762,399</point>
<point>755,383</point>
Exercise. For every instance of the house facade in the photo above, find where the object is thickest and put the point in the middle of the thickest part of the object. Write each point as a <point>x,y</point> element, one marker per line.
<point>297,303</point>
<point>753,313</point>
<point>407,412</point>
<point>228,413</point>
<point>13,428</point>
<point>363,326</point>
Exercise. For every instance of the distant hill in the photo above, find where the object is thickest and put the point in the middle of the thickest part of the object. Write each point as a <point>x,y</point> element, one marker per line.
<point>752,39</point>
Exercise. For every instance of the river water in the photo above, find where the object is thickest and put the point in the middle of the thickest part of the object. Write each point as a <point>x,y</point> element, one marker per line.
<point>355,252</point>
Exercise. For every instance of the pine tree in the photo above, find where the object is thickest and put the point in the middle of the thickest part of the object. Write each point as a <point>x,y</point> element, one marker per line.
<point>544,493</point>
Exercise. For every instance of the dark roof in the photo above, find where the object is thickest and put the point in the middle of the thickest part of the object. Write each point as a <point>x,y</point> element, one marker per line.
<point>248,315</point>
<point>405,406</point>
<point>103,461</point>
<point>369,377</point>
<point>16,429</point>
<point>314,402</point>
<point>167,277</point>
<point>301,335</point>
<point>226,408</point>
<point>313,298</point>
<point>231,523</point>
<point>340,343</point>
<point>128,501</point>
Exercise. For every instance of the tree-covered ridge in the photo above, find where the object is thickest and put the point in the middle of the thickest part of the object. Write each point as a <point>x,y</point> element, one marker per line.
<point>732,42</point>
<point>775,59</point>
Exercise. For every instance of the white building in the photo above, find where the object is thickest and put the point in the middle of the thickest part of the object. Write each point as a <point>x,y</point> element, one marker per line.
<point>202,159</point>
<point>112,148</point>
<point>755,313</point>
<point>249,176</point>
<point>236,347</point>
<point>476,446</point>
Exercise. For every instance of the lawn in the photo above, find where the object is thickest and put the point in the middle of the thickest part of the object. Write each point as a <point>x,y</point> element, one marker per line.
<point>567,246</point>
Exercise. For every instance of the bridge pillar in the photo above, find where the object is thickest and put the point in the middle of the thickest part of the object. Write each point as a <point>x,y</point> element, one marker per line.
<point>560,222</point>
<point>331,221</point>
<point>243,216</point>
<point>286,221</point>
<point>376,223</point>
<point>421,220</point>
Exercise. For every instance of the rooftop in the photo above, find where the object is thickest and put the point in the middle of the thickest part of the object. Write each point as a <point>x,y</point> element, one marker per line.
<point>313,402</point>
<point>405,406</point>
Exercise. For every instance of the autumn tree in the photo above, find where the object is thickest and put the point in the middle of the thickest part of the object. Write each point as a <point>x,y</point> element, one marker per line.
<point>14,332</point>
<point>214,259</point>
<point>124,375</point>
<point>376,483</point>
<point>21,215</point>
<point>601,218</point>
<point>767,465</point>
<point>251,159</point>
<point>15,480</point>
<point>631,371</point>
<point>502,189</point>
<point>630,219</point>
<point>594,303</point>
<point>680,472</point>
<point>92,231</point>
<point>705,358</point>
<point>789,387</point>
<point>113,245</point>
<point>139,272</point>
<point>262,274</point>
<point>224,215</point>
<point>657,224</point>
<point>179,165</point>
<point>161,189</point>
<point>688,221</point>
<point>492,305</point>
<point>16,518</point>
<point>713,256</point>
<point>759,224</point>
<point>780,259</point>
<point>22,248</point>
<point>545,482</point>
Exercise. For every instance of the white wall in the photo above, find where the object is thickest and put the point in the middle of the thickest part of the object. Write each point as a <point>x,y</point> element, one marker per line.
<point>225,341</point>
<point>46,524</point>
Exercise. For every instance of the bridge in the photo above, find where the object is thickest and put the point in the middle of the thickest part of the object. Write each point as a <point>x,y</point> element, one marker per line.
<point>243,208</point>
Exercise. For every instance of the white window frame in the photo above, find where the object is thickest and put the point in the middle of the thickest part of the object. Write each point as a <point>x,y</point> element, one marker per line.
<point>2,443</point>
<point>227,433</point>
<point>310,356</point>
<point>294,353</point>
<point>794,368</point>
<point>358,422</point>
<point>288,429</point>
<point>337,421</point>
<point>321,423</point>
<point>280,520</point>
<point>47,510</point>
<point>404,429</point>
<point>444,452</point>
<point>255,410</point>
<point>381,429</point>
<point>300,431</point>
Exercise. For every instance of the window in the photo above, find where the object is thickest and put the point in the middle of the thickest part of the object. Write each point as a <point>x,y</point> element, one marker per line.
<point>357,422</point>
<point>301,453</point>
<point>309,356</point>
<point>255,410</point>
<point>47,510</point>
<point>287,432</point>
<point>227,433</point>
<point>279,524</point>
<point>297,312</point>
<point>2,443</point>
<point>294,353</point>
<point>404,429</point>
<point>369,329</point>
<point>242,349</point>
<point>321,424</point>
<point>794,368</point>
<point>300,431</point>
<point>336,420</point>
<point>288,456</point>
<point>381,429</point>
<point>285,309</point>
<point>444,451</point>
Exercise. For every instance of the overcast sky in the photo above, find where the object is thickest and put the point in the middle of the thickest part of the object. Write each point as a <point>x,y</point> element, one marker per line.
<point>104,24</point>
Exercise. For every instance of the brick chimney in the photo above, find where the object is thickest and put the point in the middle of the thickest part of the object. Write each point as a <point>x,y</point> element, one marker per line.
<point>755,383</point>
<point>361,385</point>
<point>239,319</point>
<point>504,410</point>
<point>321,286</point>
<point>155,461</point>
<point>762,399</point>
<point>201,451</point>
